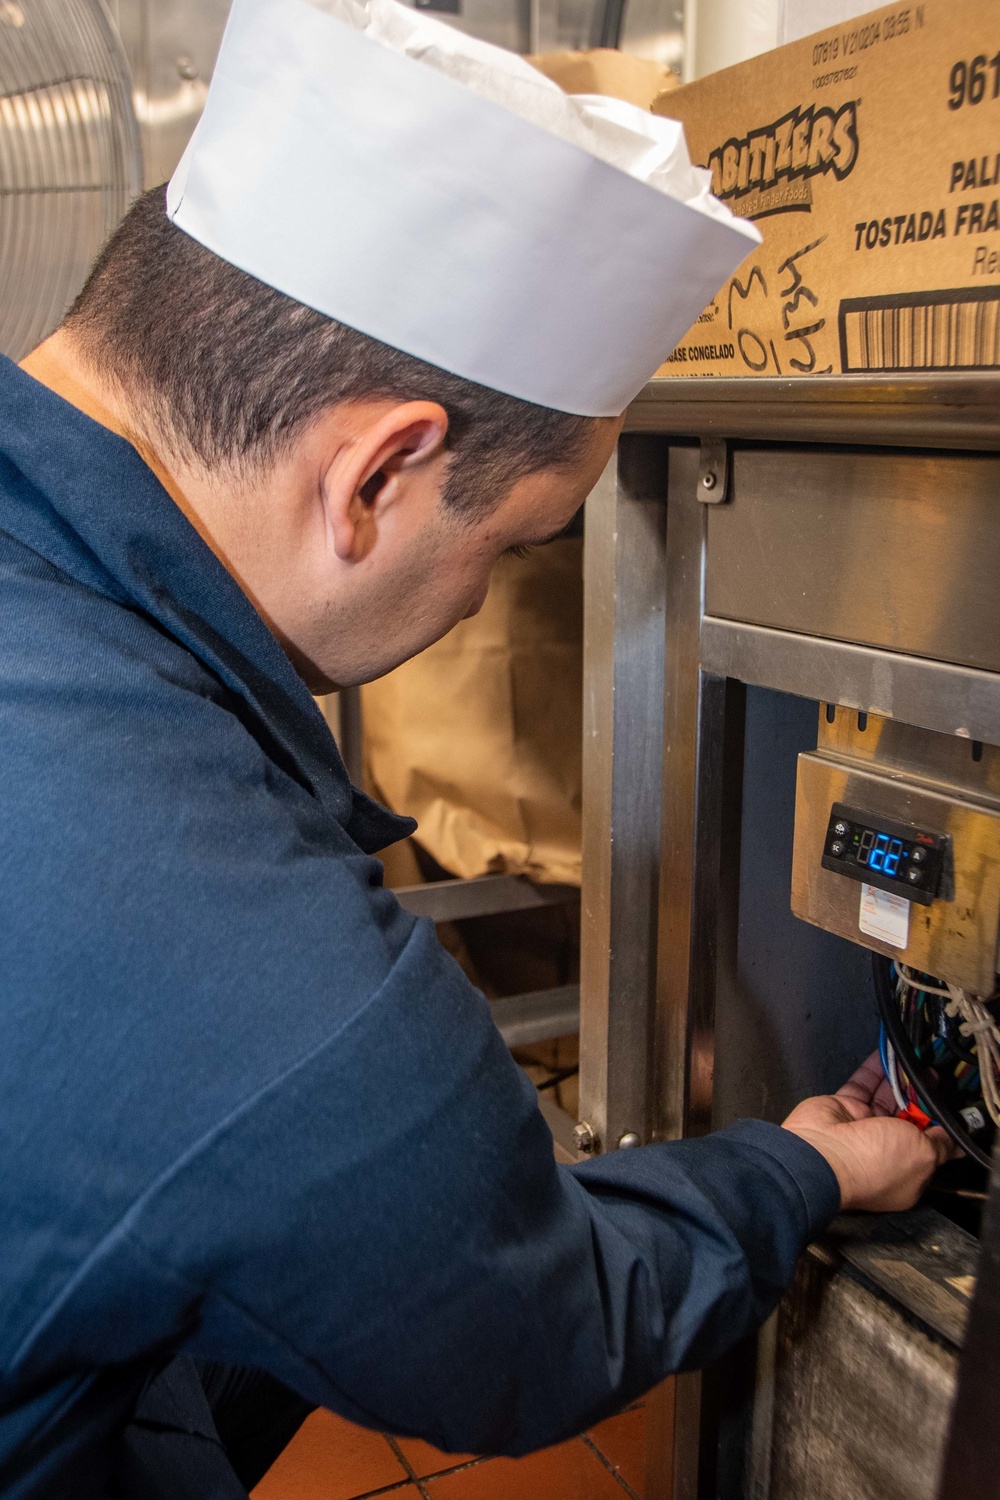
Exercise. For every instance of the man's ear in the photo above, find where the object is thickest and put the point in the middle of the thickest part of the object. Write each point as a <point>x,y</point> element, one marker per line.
<point>369,471</point>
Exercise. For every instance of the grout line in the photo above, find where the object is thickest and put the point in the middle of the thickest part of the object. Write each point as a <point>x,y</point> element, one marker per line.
<point>406,1465</point>
<point>387,1489</point>
<point>401,1456</point>
<point>470,1463</point>
<point>418,1480</point>
<point>612,1469</point>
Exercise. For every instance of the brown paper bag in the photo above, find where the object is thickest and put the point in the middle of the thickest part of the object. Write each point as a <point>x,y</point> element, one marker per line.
<point>602,70</point>
<point>479,737</point>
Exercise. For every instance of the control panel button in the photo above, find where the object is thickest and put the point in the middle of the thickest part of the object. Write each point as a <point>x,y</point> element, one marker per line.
<point>841,830</point>
<point>914,876</point>
<point>837,847</point>
<point>918,856</point>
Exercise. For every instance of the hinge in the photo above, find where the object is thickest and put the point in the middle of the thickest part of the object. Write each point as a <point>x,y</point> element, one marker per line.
<point>713,472</point>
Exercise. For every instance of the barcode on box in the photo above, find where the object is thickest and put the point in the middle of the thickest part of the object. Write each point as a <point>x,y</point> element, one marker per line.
<point>951,330</point>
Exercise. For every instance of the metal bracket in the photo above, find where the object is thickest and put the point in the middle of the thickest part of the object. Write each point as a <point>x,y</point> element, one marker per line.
<point>713,471</point>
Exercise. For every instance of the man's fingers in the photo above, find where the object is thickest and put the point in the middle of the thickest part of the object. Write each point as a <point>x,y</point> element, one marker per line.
<point>864,1083</point>
<point>881,1165</point>
<point>884,1101</point>
<point>944,1146</point>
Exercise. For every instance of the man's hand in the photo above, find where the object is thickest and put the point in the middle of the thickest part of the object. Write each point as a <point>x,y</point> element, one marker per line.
<point>881,1163</point>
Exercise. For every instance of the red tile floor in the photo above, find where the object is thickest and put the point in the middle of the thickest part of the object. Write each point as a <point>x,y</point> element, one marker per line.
<point>331,1459</point>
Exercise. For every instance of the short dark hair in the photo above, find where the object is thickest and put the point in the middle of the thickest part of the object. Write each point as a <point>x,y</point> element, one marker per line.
<point>229,370</point>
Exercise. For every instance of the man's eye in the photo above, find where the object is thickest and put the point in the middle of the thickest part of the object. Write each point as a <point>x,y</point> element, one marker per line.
<point>518,550</point>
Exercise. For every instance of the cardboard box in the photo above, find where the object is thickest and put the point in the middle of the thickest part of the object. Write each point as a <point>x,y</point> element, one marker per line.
<point>869,157</point>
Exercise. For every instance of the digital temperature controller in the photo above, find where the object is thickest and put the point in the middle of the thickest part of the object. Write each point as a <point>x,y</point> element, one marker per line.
<point>893,856</point>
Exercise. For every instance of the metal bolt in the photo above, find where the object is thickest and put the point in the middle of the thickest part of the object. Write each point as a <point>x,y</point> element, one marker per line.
<point>585,1138</point>
<point>187,68</point>
<point>709,479</point>
<point>629,1139</point>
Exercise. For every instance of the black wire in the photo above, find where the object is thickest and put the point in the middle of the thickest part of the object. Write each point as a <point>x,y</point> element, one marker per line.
<point>888,1008</point>
<point>550,1083</point>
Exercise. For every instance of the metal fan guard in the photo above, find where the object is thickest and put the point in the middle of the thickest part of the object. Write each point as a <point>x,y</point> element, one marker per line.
<point>70,158</point>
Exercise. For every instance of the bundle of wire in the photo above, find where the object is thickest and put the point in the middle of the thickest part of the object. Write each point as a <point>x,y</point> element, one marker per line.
<point>940,1049</point>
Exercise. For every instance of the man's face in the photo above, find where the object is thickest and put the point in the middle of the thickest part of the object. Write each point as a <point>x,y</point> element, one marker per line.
<point>428,568</point>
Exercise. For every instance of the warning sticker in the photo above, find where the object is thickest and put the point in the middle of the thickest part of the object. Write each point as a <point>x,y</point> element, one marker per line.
<point>884,916</point>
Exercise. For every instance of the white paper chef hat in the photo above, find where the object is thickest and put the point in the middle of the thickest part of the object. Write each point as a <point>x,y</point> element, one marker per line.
<point>440,195</point>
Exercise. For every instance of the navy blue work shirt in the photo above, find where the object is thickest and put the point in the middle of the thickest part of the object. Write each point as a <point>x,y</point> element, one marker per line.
<point>251,1110</point>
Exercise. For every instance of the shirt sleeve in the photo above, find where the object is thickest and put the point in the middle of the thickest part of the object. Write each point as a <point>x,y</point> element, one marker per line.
<point>384,1228</point>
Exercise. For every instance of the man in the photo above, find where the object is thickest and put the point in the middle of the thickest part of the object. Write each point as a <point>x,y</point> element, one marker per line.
<point>262,1147</point>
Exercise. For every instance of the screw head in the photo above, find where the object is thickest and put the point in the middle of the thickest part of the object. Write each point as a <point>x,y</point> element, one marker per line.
<point>628,1140</point>
<point>585,1137</point>
<point>187,68</point>
<point>709,479</point>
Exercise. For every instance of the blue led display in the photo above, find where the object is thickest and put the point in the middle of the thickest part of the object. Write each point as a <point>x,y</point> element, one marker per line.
<point>880,852</point>
<point>909,863</point>
<point>877,857</point>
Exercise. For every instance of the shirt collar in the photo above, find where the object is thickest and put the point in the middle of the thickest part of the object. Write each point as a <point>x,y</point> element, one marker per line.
<point>93,508</point>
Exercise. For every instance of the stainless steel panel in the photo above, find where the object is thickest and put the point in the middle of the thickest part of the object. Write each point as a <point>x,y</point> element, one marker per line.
<point>932,694</point>
<point>702,761</point>
<point>944,762</point>
<point>454,900</point>
<point>957,936</point>
<point>914,411</point>
<point>505,23</point>
<point>624,590</point>
<point>172,47</point>
<point>676,1007</point>
<point>695,882</point>
<point>894,551</point>
<point>655,28</point>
